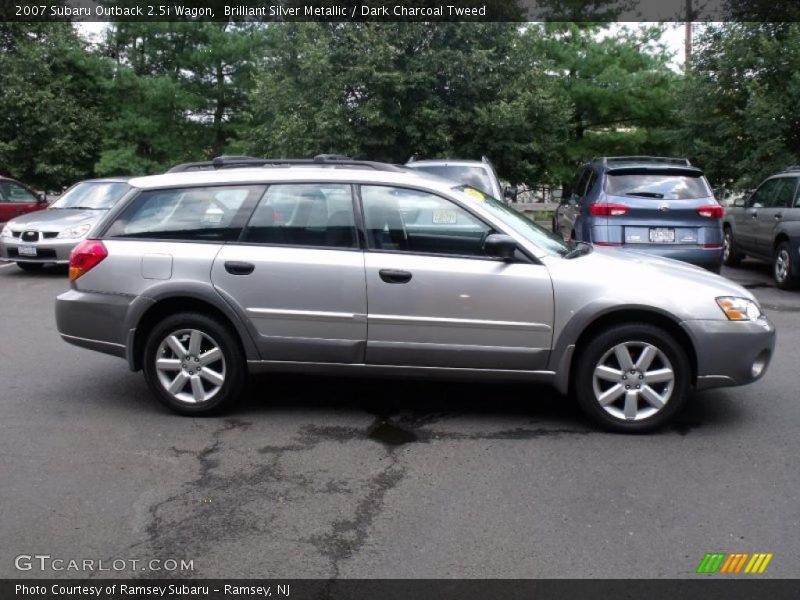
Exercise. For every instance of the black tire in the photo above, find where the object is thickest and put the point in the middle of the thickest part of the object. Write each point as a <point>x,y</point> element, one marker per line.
<point>638,335</point>
<point>782,273</point>
<point>555,226</point>
<point>730,257</point>
<point>30,267</point>
<point>232,365</point>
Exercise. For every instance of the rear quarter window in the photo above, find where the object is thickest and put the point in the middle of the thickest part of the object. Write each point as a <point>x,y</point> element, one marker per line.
<point>192,214</point>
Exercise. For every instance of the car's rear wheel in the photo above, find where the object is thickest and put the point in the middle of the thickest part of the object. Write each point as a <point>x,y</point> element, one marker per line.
<point>782,267</point>
<point>632,378</point>
<point>194,364</point>
<point>730,257</point>
<point>30,267</point>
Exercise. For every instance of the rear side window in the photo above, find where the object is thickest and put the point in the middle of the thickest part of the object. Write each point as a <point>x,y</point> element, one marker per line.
<point>666,185</point>
<point>783,194</point>
<point>194,214</point>
<point>315,215</point>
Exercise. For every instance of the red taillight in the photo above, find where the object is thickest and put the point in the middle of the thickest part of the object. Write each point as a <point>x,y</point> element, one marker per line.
<point>716,245</point>
<point>607,243</point>
<point>608,210</point>
<point>713,211</point>
<point>85,256</point>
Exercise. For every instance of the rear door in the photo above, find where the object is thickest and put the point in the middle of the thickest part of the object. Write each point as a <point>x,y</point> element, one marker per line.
<point>659,206</point>
<point>747,221</point>
<point>436,300</point>
<point>298,274</point>
<point>771,216</point>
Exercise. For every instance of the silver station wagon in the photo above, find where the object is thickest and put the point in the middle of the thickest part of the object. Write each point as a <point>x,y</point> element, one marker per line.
<point>216,270</point>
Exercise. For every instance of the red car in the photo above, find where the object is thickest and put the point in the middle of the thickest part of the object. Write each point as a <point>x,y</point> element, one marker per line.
<point>18,199</point>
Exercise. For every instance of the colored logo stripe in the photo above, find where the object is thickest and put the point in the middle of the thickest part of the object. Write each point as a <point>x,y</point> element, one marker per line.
<point>721,562</point>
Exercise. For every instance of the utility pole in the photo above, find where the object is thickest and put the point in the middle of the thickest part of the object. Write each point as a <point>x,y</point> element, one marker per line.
<point>687,47</point>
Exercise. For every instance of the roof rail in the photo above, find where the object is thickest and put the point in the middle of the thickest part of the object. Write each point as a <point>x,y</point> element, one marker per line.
<point>792,168</point>
<point>320,160</point>
<point>644,159</point>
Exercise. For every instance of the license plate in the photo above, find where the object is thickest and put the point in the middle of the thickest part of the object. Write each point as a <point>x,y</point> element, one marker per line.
<point>662,235</point>
<point>445,217</point>
<point>27,250</point>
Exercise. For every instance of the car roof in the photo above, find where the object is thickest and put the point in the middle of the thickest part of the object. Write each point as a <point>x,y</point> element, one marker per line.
<point>292,174</point>
<point>456,162</point>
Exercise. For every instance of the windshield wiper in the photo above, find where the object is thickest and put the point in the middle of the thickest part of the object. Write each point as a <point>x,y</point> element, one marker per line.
<point>579,249</point>
<point>644,194</point>
<point>83,207</point>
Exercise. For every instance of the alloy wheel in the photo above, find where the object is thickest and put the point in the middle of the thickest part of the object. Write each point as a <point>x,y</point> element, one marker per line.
<point>190,366</point>
<point>782,265</point>
<point>633,381</point>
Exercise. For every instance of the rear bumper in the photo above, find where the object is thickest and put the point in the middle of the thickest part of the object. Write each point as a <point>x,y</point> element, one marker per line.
<point>731,353</point>
<point>94,320</point>
<point>708,258</point>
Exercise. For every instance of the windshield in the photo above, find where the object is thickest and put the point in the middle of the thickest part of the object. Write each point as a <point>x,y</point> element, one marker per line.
<point>95,195</point>
<point>476,177</point>
<point>660,186</point>
<point>517,221</point>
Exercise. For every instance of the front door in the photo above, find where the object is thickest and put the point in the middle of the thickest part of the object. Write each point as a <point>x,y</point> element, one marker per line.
<point>436,300</point>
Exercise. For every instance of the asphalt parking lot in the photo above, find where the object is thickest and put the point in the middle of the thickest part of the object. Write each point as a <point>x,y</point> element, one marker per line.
<point>318,477</point>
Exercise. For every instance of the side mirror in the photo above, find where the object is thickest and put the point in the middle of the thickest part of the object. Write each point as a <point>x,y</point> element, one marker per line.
<point>739,203</point>
<point>41,197</point>
<point>499,245</point>
<point>511,192</point>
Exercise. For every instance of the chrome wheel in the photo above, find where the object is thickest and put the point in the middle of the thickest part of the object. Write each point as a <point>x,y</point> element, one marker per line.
<point>782,265</point>
<point>726,247</point>
<point>633,381</point>
<point>190,366</point>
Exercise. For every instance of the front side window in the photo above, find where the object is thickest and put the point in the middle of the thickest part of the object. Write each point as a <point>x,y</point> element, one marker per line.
<point>406,220</point>
<point>659,186</point>
<point>200,214</point>
<point>315,215</point>
<point>13,192</point>
<point>784,193</point>
<point>761,196</point>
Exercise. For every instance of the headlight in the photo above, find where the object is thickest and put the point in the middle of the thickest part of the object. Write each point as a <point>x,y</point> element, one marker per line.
<point>6,232</point>
<point>75,232</point>
<point>739,309</point>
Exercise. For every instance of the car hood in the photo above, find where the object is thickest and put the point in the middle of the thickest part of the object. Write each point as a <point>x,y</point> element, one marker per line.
<point>55,219</point>
<point>615,277</point>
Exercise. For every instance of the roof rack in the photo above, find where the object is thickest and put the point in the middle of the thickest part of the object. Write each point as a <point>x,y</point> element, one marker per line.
<point>320,160</point>
<point>792,168</point>
<point>643,159</point>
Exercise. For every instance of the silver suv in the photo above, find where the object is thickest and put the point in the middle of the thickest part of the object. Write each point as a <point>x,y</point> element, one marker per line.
<point>202,276</point>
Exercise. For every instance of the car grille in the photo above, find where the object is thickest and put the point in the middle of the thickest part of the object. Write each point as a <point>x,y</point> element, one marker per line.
<point>49,235</point>
<point>16,233</point>
<point>40,253</point>
<point>30,236</point>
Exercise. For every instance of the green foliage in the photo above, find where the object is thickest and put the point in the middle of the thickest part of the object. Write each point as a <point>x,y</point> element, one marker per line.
<point>50,125</point>
<point>742,102</point>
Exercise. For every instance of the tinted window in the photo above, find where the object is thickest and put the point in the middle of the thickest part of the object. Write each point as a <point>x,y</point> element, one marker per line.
<point>583,182</point>
<point>477,177</point>
<point>98,195</point>
<point>211,213</point>
<point>783,195</point>
<point>762,195</point>
<point>319,214</point>
<point>399,219</point>
<point>666,186</point>
<point>13,192</point>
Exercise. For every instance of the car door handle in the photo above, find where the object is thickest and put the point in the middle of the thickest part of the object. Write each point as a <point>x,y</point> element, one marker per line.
<point>235,267</point>
<point>754,215</point>
<point>778,216</point>
<point>392,276</point>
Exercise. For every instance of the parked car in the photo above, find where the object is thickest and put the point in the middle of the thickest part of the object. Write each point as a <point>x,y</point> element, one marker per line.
<point>17,199</point>
<point>48,236</point>
<point>657,205</point>
<point>199,277</point>
<point>479,174</point>
<point>766,226</point>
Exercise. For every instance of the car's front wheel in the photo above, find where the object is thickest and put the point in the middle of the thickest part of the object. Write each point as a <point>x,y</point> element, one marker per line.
<point>632,378</point>
<point>193,364</point>
<point>782,267</point>
<point>730,257</point>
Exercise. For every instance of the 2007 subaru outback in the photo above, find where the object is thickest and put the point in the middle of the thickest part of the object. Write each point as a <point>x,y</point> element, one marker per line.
<point>202,275</point>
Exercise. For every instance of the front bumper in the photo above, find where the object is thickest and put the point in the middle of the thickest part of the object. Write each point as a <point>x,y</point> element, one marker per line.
<point>51,250</point>
<point>731,352</point>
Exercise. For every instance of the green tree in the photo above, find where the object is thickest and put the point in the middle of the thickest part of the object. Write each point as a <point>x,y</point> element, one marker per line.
<point>51,111</point>
<point>387,91</point>
<point>741,115</point>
